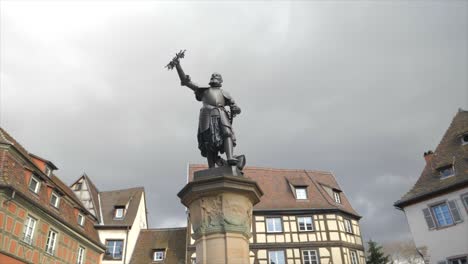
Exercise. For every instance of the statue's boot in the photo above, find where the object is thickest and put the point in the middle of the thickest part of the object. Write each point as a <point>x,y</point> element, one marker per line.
<point>229,148</point>
<point>211,157</point>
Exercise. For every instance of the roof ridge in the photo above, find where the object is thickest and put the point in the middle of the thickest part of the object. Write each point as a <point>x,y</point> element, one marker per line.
<point>127,189</point>
<point>162,229</point>
<point>269,169</point>
<point>3,136</point>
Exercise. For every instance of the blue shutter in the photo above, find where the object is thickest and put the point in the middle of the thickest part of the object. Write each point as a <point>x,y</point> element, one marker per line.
<point>428,217</point>
<point>454,210</point>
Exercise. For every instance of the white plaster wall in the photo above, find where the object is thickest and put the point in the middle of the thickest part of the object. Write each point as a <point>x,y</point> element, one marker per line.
<point>441,243</point>
<point>140,223</point>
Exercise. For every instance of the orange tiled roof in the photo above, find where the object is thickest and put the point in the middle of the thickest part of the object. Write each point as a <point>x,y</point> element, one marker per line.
<point>278,194</point>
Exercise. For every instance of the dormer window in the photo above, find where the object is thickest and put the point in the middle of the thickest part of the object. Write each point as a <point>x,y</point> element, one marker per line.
<point>337,197</point>
<point>34,184</point>
<point>301,193</point>
<point>81,219</point>
<point>47,171</point>
<point>54,200</point>
<point>464,139</point>
<point>158,255</point>
<point>119,212</point>
<point>446,171</point>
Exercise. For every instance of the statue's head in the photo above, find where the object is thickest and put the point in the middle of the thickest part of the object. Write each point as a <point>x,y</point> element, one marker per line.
<point>216,80</point>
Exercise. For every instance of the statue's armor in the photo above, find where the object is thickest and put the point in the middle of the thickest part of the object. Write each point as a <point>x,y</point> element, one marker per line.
<point>214,101</point>
<point>213,97</point>
<point>214,126</point>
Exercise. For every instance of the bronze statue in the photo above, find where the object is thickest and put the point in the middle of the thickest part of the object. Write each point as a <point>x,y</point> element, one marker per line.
<point>215,133</point>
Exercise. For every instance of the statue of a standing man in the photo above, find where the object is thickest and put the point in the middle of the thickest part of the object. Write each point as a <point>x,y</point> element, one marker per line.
<point>215,134</point>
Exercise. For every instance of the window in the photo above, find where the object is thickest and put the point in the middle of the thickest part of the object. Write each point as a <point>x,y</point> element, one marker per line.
<point>464,139</point>
<point>457,261</point>
<point>305,223</point>
<point>47,171</point>
<point>301,193</point>
<point>54,200</point>
<point>114,249</point>
<point>81,219</point>
<point>442,215</point>
<point>274,224</point>
<point>446,171</point>
<point>28,231</point>
<point>465,200</point>
<point>276,257</point>
<point>158,255</point>
<point>78,186</point>
<point>348,226</point>
<point>119,212</point>
<point>80,256</point>
<point>51,239</point>
<point>34,184</point>
<point>354,259</point>
<point>309,257</point>
<point>337,197</point>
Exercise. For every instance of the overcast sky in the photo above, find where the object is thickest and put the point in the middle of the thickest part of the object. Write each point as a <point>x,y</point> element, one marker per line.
<point>361,89</point>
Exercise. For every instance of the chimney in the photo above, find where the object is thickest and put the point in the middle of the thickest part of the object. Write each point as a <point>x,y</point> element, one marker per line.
<point>428,156</point>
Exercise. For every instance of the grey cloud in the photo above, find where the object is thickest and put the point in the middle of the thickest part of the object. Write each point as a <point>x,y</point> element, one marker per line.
<point>359,88</point>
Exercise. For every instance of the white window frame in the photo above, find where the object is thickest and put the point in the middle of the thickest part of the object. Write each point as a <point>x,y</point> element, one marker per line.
<point>51,241</point>
<point>158,255</point>
<point>57,200</point>
<point>304,219</point>
<point>81,219</point>
<point>354,258</point>
<point>28,230</point>
<point>309,258</point>
<point>275,225</point>
<point>276,256</point>
<point>301,193</point>
<point>47,170</point>
<point>120,215</point>
<point>80,255</point>
<point>463,139</point>
<point>437,220</point>
<point>38,184</point>
<point>337,197</point>
<point>442,177</point>
<point>348,226</point>
<point>114,249</point>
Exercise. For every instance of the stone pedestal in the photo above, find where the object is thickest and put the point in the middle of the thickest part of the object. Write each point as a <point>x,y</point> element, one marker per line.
<point>220,202</point>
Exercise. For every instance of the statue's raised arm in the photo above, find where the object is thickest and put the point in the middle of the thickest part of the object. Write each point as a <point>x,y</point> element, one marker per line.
<point>215,134</point>
<point>184,79</point>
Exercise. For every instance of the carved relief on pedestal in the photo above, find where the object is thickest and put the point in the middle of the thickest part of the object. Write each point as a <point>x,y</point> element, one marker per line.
<point>227,212</point>
<point>212,211</point>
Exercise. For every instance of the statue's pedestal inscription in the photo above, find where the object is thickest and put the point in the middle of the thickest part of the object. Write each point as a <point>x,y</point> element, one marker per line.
<point>220,206</point>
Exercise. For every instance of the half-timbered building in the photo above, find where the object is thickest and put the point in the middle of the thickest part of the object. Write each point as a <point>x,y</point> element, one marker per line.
<point>304,217</point>
<point>41,220</point>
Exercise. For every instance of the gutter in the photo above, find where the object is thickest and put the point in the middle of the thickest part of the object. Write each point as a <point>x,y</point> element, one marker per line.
<point>402,203</point>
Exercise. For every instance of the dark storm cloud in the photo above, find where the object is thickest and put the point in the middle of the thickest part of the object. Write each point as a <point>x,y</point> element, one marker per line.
<point>360,89</point>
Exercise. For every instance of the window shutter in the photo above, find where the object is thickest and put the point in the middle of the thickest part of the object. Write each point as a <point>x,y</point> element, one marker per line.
<point>454,209</point>
<point>428,217</point>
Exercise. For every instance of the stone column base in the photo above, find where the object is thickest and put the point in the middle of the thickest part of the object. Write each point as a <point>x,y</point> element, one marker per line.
<point>220,211</point>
